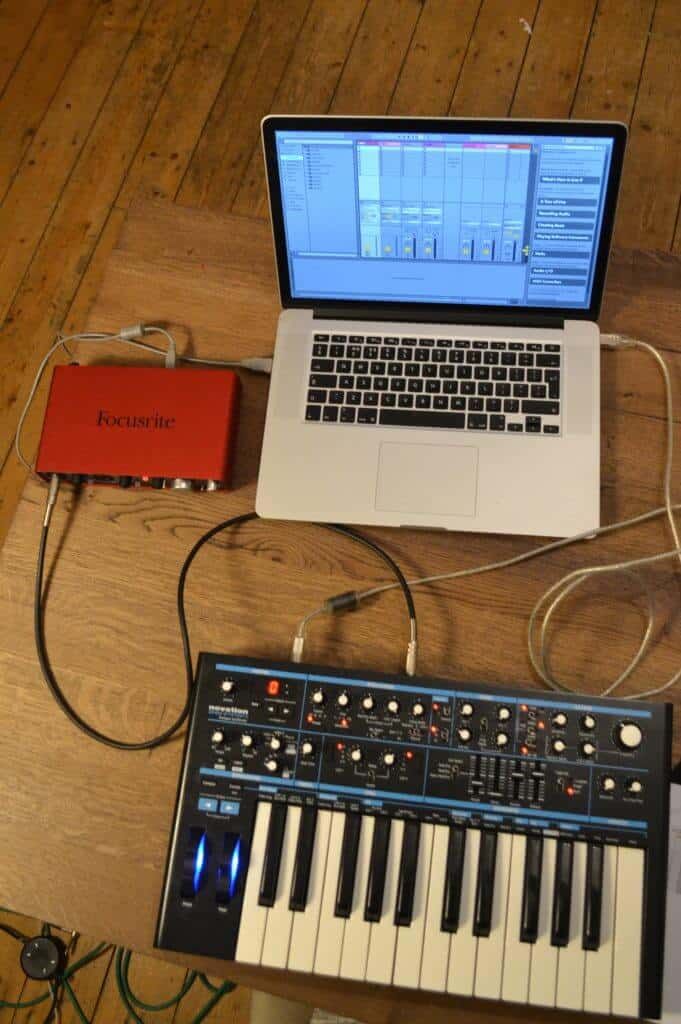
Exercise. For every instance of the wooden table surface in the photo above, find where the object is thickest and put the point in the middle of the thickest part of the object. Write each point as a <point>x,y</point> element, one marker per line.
<point>83,829</point>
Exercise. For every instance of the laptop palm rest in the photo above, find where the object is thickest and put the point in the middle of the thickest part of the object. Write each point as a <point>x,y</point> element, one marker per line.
<point>427,479</point>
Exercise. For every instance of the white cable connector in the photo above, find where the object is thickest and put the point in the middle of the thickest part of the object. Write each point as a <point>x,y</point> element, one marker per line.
<point>51,499</point>
<point>410,666</point>
<point>257,364</point>
<point>297,649</point>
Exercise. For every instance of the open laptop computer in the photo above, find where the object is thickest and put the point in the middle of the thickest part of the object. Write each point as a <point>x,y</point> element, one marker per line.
<point>437,358</point>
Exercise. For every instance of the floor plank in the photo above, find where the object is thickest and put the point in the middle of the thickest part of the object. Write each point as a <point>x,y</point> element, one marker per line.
<point>652,174</point>
<point>151,980</point>
<point>17,25</point>
<point>233,1008</point>
<point>37,76</point>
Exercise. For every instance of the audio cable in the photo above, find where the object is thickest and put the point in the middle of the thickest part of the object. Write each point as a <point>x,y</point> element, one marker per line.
<point>89,730</point>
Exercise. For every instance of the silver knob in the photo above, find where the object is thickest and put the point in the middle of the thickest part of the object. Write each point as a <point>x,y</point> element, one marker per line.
<point>307,748</point>
<point>501,739</point>
<point>635,786</point>
<point>393,706</point>
<point>246,740</point>
<point>218,736</point>
<point>389,758</point>
<point>275,743</point>
<point>588,749</point>
<point>466,709</point>
<point>607,784</point>
<point>368,702</point>
<point>464,735</point>
<point>558,746</point>
<point>588,722</point>
<point>629,735</point>
<point>356,755</point>
<point>417,709</point>
<point>342,700</point>
<point>503,714</point>
<point>318,697</point>
<point>271,764</point>
<point>227,686</point>
<point>560,719</point>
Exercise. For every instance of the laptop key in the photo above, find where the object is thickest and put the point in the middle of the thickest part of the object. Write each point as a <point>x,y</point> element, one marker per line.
<point>394,369</point>
<point>313,413</point>
<point>336,397</point>
<point>388,400</point>
<point>377,368</point>
<point>455,356</point>
<point>446,371</point>
<point>429,371</point>
<point>321,366</point>
<point>444,342</point>
<point>516,373</point>
<point>520,390</point>
<point>347,414</point>
<point>423,401</point>
<point>515,428</point>
<point>370,398</point>
<point>323,380</point>
<point>321,337</point>
<point>533,346</point>
<point>360,366</point>
<point>421,355</point>
<point>357,338</point>
<point>467,387</point>
<point>476,405</point>
<point>554,389</point>
<point>516,346</point>
<point>433,387</point>
<point>380,383</point>
<point>532,424</point>
<point>538,391</point>
<point>502,390</point>
<point>438,355</point>
<point>493,405</point>
<point>508,359</point>
<point>462,343</point>
<point>450,387</point>
<point>315,396</point>
<point>499,345</point>
<point>405,354</point>
<point>499,373</point>
<point>440,402</point>
<point>354,352</point>
<point>525,359</point>
<point>412,370</point>
<point>551,428</point>
<point>371,351</point>
<point>320,349</point>
<point>481,372</point>
<point>477,421</point>
<point>363,383</point>
<point>464,372</point>
<point>405,401</point>
<point>541,408</point>
<point>427,342</point>
<point>367,415</point>
<point>398,384</point>
<point>457,404</point>
<point>480,344</point>
<point>391,339</point>
<point>552,348</point>
<point>347,383</point>
<point>330,414</point>
<point>534,376</point>
<point>387,353</point>
<point>337,351</point>
<point>512,405</point>
<point>414,385</point>
<point>485,388</point>
<point>418,418</point>
<point>491,358</point>
<point>353,398</point>
<point>473,357</point>
<point>497,422</point>
<point>339,337</point>
<point>548,360</point>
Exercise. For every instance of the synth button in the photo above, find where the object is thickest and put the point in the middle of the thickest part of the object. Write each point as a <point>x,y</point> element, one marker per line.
<point>464,734</point>
<point>559,720</point>
<point>393,706</point>
<point>558,746</point>
<point>634,787</point>
<point>407,878</point>
<point>451,899</point>
<point>307,748</point>
<point>302,864</point>
<point>272,859</point>
<point>588,749</point>
<point>529,918</point>
<point>484,890</point>
<point>607,784</point>
<point>503,714</point>
<point>562,890</point>
<point>318,697</point>
<point>343,699</point>
<point>373,906</point>
<point>418,709</point>
<point>628,735</point>
<point>466,709</point>
<point>356,755</point>
<point>348,865</point>
<point>588,723</point>
<point>593,897</point>
<point>368,702</point>
<point>217,737</point>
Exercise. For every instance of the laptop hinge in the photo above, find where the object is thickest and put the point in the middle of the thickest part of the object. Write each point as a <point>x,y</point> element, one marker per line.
<point>524,318</point>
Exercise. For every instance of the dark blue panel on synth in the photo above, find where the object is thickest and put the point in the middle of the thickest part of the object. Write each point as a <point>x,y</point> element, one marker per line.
<point>510,759</point>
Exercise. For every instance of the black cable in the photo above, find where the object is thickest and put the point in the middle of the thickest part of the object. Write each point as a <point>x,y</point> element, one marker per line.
<point>76,719</point>
<point>13,932</point>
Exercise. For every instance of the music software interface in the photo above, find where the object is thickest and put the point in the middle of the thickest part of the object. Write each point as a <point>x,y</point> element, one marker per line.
<point>471,219</point>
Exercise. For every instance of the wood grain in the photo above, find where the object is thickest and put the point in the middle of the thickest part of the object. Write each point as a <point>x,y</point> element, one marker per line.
<point>17,25</point>
<point>130,680</point>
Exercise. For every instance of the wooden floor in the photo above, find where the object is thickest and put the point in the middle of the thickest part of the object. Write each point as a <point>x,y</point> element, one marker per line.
<point>103,100</point>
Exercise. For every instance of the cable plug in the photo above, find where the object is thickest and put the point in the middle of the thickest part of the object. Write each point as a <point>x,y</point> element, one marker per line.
<point>617,341</point>
<point>132,331</point>
<point>297,649</point>
<point>257,364</point>
<point>51,499</point>
<point>410,666</point>
<point>347,601</point>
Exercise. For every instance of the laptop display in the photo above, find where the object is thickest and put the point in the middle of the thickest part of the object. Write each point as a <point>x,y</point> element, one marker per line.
<point>510,218</point>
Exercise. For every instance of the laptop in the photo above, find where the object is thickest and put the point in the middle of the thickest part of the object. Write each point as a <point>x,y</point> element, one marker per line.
<point>437,358</point>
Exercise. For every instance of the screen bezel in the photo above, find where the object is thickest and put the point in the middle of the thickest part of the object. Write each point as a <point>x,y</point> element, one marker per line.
<point>499,313</point>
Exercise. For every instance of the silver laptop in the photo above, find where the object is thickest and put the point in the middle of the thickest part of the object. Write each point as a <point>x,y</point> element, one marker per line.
<point>437,357</point>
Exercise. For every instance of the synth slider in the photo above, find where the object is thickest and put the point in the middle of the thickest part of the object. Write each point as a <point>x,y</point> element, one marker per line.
<point>499,843</point>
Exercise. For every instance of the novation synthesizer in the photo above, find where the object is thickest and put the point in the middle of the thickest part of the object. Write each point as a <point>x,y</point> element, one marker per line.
<point>451,837</point>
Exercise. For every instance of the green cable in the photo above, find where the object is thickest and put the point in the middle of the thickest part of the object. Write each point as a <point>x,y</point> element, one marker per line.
<point>74,1001</point>
<point>152,1007</point>
<point>216,988</point>
<point>122,965</point>
<point>224,989</point>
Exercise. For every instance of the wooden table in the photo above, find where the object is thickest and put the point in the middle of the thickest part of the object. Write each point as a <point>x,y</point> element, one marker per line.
<point>83,829</point>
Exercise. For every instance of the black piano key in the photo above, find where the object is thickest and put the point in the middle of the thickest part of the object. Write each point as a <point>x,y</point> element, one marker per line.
<point>303,861</point>
<point>270,868</point>
<point>529,919</point>
<point>407,880</point>
<point>451,901</point>
<point>377,869</point>
<point>593,897</point>
<point>348,865</point>
<point>562,890</point>
<point>484,889</point>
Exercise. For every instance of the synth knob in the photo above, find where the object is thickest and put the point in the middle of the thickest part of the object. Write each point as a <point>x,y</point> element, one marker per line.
<point>271,764</point>
<point>343,699</point>
<point>218,736</point>
<point>588,722</point>
<point>608,784</point>
<point>464,734</point>
<point>307,748</point>
<point>356,755</point>
<point>227,686</point>
<point>501,739</point>
<point>393,705</point>
<point>318,697</point>
<point>559,720</point>
<point>368,702</point>
<point>503,714</point>
<point>246,740</point>
<point>389,758</point>
<point>466,709</point>
<point>275,743</point>
<point>628,735</point>
<point>634,786</point>
<point>558,746</point>
<point>588,749</point>
<point>417,709</point>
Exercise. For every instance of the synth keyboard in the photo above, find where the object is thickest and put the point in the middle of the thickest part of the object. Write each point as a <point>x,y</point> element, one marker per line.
<point>458,838</point>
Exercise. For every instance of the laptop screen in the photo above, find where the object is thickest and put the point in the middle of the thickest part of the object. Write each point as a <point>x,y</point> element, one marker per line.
<point>463,218</point>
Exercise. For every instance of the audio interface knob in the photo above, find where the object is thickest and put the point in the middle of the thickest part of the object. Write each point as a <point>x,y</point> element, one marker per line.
<point>588,749</point>
<point>558,746</point>
<point>588,722</point>
<point>464,734</point>
<point>343,699</point>
<point>318,697</point>
<point>218,736</point>
<point>246,740</point>
<point>417,709</point>
<point>607,784</point>
<point>275,743</point>
<point>559,720</point>
<point>393,706</point>
<point>389,758</point>
<point>227,686</point>
<point>628,735</point>
<point>307,748</point>
<point>356,755</point>
<point>503,714</point>
<point>501,739</point>
<point>368,702</point>
<point>466,709</point>
<point>271,764</point>
<point>634,786</point>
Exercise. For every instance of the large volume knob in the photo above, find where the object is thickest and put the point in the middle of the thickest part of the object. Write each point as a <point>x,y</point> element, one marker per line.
<point>628,735</point>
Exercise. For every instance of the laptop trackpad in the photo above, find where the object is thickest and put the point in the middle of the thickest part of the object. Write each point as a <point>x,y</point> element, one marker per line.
<point>430,479</point>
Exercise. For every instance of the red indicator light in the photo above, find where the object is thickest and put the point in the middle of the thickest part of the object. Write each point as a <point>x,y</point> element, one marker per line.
<point>310,718</point>
<point>436,707</point>
<point>570,790</point>
<point>523,707</point>
<point>540,725</point>
<point>409,755</point>
<point>344,723</point>
<point>273,688</point>
<point>433,729</point>
<point>523,750</point>
<point>340,746</point>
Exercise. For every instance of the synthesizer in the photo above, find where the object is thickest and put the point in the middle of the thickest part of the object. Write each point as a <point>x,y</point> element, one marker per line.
<point>485,841</point>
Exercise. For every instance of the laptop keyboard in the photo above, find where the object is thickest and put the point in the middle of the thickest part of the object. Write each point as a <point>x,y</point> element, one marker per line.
<point>462,384</point>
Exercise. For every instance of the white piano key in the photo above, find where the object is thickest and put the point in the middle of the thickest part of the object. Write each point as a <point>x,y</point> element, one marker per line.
<point>517,954</point>
<point>598,962</point>
<point>490,960</point>
<point>357,930</point>
<point>409,948</point>
<point>463,946</point>
<point>383,935</point>
<point>279,918</point>
<point>253,916</point>
<point>570,981</point>
<point>544,957</point>
<point>626,964</point>
<point>331,928</point>
<point>306,922</point>
<point>436,942</point>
